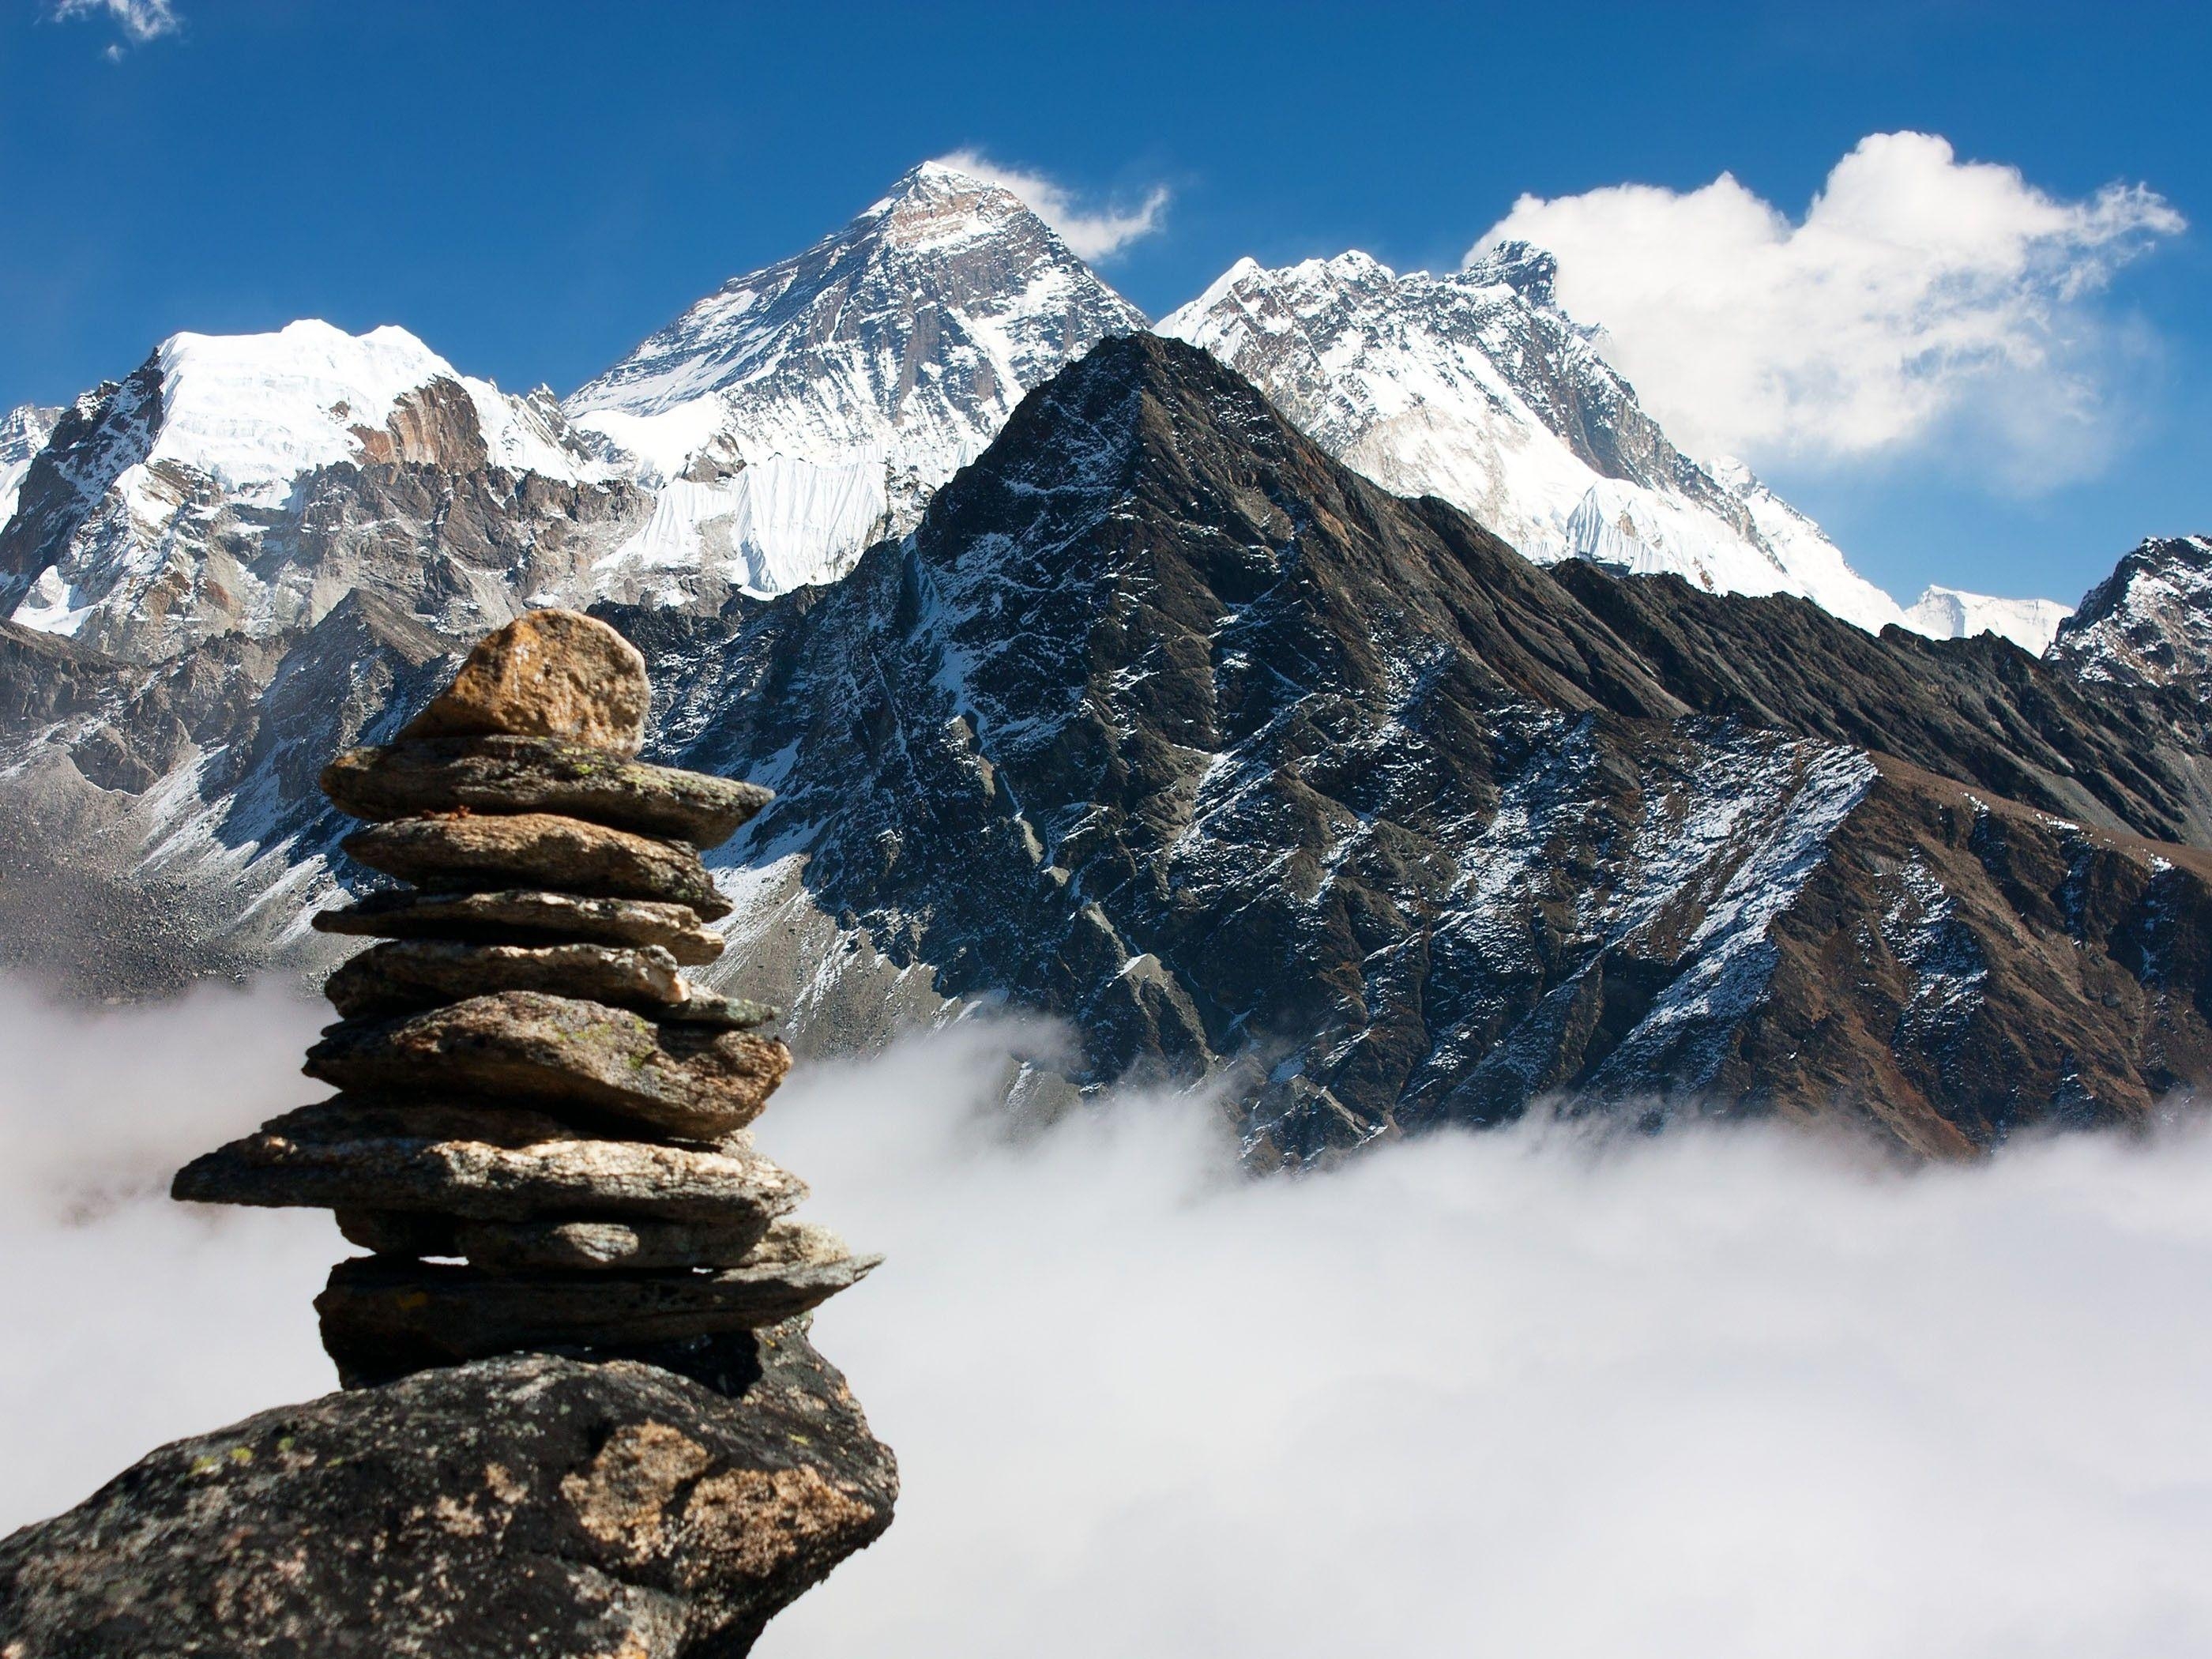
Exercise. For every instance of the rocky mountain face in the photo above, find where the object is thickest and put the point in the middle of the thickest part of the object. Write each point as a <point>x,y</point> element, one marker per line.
<point>809,409</point>
<point>244,485</point>
<point>1476,387</point>
<point>1165,723</point>
<point>2148,627</point>
<point>23,433</point>
<point>220,567</point>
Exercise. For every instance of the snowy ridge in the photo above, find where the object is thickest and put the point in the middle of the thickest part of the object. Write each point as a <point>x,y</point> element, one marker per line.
<point>254,412</point>
<point>2149,623</point>
<point>23,433</point>
<point>809,408</point>
<point>1945,613</point>
<point>1475,387</point>
<point>154,496</point>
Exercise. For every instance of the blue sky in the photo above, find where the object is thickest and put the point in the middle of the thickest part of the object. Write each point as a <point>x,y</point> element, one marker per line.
<point>533,188</point>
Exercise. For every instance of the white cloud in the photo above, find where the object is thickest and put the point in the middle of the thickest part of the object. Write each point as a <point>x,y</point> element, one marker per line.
<point>1722,1394</point>
<point>141,21</point>
<point>1919,297</point>
<point>1092,234</point>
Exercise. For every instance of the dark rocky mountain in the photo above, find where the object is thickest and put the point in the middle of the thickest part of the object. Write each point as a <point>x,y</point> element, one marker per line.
<point>1164,723</point>
<point>1167,724</point>
<point>2147,625</point>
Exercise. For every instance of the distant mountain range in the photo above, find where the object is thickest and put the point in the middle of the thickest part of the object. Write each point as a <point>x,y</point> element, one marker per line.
<point>1099,676</point>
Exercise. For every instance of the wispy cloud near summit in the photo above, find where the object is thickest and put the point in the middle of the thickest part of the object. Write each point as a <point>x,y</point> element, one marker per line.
<point>1094,232</point>
<point>1918,294</point>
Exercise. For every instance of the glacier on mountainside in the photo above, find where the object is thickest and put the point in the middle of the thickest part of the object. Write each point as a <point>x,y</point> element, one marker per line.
<point>1945,613</point>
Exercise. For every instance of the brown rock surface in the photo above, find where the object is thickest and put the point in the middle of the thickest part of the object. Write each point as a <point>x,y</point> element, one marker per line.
<point>383,1317</point>
<point>695,1082</point>
<point>407,975</point>
<point>538,849</point>
<point>523,917</point>
<point>539,775</point>
<point>481,1162</point>
<point>548,674</point>
<point>591,1246</point>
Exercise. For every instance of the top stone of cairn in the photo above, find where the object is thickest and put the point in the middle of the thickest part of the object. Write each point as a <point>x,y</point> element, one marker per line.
<point>546,674</point>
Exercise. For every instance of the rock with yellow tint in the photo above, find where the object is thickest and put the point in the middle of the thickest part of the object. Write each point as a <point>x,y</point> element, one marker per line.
<point>548,674</point>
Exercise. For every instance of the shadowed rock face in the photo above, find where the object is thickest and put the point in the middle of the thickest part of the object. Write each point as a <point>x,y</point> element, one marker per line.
<point>525,1504</point>
<point>1165,723</point>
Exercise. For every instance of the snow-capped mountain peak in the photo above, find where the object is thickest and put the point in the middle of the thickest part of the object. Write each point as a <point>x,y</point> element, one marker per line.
<point>806,409</point>
<point>168,506</point>
<point>1949,613</point>
<point>1476,387</point>
<point>254,412</point>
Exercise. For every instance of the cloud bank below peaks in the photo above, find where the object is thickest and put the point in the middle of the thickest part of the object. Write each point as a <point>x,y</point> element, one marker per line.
<point>1091,231</point>
<point>1921,300</point>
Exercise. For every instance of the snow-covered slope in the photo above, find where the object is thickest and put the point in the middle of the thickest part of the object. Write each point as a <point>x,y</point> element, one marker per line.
<point>23,433</point>
<point>174,503</point>
<point>807,408</point>
<point>1947,613</point>
<point>2148,623</point>
<point>1476,387</point>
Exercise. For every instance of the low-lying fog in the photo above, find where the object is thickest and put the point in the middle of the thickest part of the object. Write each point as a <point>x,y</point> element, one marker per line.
<point>1729,1392</point>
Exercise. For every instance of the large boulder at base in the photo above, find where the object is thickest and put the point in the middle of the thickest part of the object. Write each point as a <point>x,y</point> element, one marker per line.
<point>548,674</point>
<point>523,917</point>
<point>538,849</point>
<point>697,1082</point>
<point>529,1504</point>
<point>540,774</point>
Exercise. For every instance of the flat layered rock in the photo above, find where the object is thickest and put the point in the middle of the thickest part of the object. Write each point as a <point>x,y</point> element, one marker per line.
<point>522,916</point>
<point>380,1312</point>
<point>538,849</point>
<point>587,1245</point>
<point>548,674</point>
<point>484,1163</point>
<point>694,1081</point>
<point>540,774</point>
<point>407,975</point>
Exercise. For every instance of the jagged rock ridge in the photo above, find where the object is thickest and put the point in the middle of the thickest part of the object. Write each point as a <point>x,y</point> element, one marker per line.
<point>1165,723</point>
<point>2150,624</point>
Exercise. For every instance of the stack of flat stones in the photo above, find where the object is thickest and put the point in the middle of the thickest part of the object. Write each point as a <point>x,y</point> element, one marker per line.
<point>541,1133</point>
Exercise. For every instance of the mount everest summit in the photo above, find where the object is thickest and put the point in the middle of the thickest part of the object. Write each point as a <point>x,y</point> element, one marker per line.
<point>807,410</point>
<point>1098,673</point>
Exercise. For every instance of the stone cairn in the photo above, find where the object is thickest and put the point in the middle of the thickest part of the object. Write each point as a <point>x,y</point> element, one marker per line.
<point>541,1133</point>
